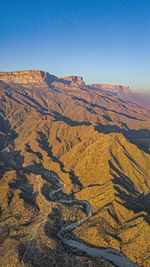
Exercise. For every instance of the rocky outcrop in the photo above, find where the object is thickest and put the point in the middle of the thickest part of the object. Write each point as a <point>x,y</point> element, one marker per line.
<point>73,80</point>
<point>37,77</point>
<point>27,77</point>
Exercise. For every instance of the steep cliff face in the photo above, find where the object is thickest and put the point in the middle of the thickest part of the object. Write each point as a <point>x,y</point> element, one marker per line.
<point>38,77</point>
<point>27,77</point>
<point>118,89</point>
<point>73,80</point>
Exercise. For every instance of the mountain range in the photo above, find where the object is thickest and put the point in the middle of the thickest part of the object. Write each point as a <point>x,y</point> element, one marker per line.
<point>96,139</point>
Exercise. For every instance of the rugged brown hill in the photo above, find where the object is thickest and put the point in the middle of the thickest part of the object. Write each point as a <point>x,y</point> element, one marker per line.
<point>98,143</point>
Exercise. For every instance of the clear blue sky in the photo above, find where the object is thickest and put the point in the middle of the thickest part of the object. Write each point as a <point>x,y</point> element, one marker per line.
<point>105,41</point>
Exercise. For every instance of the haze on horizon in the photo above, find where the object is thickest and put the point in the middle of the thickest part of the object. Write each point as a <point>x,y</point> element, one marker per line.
<point>103,41</point>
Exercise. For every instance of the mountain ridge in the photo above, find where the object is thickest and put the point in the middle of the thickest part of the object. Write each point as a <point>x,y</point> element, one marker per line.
<point>33,74</point>
<point>37,76</point>
<point>98,144</point>
<point>112,88</point>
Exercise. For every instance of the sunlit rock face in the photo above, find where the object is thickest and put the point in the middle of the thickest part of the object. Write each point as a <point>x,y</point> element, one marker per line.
<point>74,80</point>
<point>37,77</point>
<point>26,77</point>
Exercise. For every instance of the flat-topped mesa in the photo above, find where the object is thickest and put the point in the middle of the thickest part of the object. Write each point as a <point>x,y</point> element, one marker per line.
<point>73,80</point>
<point>117,89</point>
<point>27,77</point>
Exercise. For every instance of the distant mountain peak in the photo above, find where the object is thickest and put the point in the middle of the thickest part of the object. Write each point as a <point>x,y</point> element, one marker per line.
<point>117,89</point>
